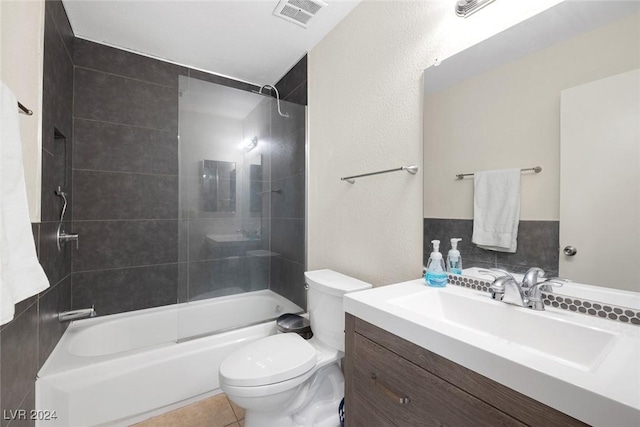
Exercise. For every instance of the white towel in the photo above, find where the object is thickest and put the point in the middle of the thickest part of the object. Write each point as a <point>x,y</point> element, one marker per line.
<point>496,209</point>
<point>21,275</point>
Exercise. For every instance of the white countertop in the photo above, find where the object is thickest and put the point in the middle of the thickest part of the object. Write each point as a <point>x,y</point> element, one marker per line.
<point>605,394</point>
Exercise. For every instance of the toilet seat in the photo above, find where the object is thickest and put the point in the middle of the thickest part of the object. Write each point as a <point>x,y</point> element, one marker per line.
<point>269,360</point>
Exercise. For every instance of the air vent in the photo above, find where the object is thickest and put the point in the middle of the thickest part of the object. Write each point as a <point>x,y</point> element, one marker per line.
<point>299,12</point>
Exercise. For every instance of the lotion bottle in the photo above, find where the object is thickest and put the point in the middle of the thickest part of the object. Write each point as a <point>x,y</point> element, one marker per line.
<point>454,260</point>
<point>436,275</point>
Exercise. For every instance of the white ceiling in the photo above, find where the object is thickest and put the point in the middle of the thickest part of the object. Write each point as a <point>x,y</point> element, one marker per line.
<point>241,39</point>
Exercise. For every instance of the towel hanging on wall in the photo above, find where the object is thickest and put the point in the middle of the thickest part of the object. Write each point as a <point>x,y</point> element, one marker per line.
<point>21,275</point>
<point>496,209</point>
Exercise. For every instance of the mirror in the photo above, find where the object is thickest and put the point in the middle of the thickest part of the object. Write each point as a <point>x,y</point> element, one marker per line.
<point>218,186</point>
<point>497,105</point>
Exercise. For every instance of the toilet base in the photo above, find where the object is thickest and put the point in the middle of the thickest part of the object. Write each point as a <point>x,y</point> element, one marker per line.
<point>315,404</point>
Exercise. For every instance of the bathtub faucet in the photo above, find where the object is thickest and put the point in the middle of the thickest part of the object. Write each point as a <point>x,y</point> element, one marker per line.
<point>84,313</point>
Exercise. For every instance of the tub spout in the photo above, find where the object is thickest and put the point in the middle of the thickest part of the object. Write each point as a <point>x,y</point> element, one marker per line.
<point>67,316</point>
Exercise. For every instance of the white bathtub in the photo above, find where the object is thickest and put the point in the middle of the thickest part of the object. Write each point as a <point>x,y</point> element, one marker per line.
<point>109,370</point>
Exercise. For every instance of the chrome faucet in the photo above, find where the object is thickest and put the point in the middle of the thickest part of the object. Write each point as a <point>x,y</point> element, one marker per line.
<point>526,294</point>
<point>66,316</point>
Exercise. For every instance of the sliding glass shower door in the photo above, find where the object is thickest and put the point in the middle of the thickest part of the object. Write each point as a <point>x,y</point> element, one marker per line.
<point>241,222</point>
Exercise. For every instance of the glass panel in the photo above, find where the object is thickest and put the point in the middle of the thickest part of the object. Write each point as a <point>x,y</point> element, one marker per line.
<point>241,208</point>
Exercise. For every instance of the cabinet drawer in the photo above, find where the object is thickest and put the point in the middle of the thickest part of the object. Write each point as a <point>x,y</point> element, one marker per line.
<point>362,414</point>
<point>411,396</point>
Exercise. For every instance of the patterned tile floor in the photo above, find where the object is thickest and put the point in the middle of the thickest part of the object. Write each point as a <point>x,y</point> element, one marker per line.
<point>215,411</point>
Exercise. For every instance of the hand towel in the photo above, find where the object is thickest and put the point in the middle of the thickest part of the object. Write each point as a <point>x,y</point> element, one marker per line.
<point>496,209</point>
<point>21,275</point>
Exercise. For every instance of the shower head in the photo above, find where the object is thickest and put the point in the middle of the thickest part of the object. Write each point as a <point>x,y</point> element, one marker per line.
<point>466,8</point>
<point>277,97</point>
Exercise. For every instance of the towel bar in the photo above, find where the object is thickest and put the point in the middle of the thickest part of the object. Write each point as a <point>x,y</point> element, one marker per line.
<point>536,169</point>
<point>352,179</point>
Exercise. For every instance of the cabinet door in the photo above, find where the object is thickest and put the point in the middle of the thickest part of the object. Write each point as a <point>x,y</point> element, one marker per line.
<point>410,396</point>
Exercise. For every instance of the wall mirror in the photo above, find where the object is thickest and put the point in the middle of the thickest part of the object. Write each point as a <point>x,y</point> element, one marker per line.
<point>541,93</point>
<point>218,186</point>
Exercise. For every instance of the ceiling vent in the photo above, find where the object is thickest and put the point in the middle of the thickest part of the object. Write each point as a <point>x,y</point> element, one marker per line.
<point>299,12</point>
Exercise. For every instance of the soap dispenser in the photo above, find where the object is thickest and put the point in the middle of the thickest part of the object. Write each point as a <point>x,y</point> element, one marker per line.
<point>436,275</point>
<point>454,260</point>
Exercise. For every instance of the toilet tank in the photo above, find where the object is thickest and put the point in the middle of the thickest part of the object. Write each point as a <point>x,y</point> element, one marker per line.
<point>324,302</point>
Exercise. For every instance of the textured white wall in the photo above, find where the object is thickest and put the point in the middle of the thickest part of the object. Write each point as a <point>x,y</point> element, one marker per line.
<point>21,62</point>
<point>365,114</point>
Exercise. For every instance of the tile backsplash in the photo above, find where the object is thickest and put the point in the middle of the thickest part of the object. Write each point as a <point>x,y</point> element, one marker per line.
<point>538,245</point>
<point>578,305</point>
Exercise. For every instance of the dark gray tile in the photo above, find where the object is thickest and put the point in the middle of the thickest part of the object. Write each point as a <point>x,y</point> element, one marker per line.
<point>28,404</point>
<point>53,301</point>
<point>538,246</point>
<point>57,86</point>
<point>291,81</point>
<point>287,238</point>
<point>287,279</point>
<point>284,126</point>
<point>446,229</point>
<point>291,201</point>
<point>183,282</point>
<point>183,240</point>
<point>288,156</point>
<point>110,147</point>
<point>56,174</point>
<point>127,64</point>
<point>18,359</point>
<point>219,277</point>
<point>105,97</point>
<point>107,195</point>
<point>56,263</point>
<point>298,95</point>
<point>57,11</point>
<point>257,272</point>
<point>225,81</point>
<point>127,289</point>
<point>117,244</point>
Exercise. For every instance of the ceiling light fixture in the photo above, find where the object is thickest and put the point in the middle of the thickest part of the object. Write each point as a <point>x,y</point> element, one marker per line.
<point>465,8</point>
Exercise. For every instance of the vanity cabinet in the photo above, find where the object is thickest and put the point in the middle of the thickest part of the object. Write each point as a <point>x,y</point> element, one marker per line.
<point>392,382</point>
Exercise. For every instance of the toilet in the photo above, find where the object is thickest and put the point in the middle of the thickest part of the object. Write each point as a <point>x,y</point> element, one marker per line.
<point>286,381</point>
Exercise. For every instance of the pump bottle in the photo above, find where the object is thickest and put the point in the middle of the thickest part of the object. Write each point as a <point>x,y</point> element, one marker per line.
<point>454,260</point>
<point>436,275</point>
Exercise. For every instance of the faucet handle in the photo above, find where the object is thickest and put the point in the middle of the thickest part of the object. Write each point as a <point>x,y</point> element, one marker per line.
<point>534,290</point>
<point>547,284</point>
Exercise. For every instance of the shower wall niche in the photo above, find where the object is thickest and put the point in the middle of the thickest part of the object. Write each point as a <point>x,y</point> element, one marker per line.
<point>241,192</point>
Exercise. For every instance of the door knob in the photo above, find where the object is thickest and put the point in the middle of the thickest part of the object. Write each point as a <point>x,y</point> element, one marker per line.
<point>569,251</point>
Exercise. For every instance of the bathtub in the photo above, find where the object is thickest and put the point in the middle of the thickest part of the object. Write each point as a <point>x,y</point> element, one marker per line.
<point>118,369</point>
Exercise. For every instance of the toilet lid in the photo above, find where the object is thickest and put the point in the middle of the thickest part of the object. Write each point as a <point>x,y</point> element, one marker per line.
<point>268,360</point>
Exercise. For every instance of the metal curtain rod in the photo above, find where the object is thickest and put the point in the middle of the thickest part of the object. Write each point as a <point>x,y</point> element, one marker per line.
<point>536,169</point>
<point>352,179</point>
<point>24,110</point>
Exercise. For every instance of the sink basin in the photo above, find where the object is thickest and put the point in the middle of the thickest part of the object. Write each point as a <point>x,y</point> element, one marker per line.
<point>580,346</point>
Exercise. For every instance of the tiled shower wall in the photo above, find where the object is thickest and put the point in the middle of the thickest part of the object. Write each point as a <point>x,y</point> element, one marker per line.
<point>126,182</point>
<point>538,245</point>
<point>27,341</point>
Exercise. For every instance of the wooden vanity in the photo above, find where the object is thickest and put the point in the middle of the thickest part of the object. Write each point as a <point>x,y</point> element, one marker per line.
<point>393,382</point>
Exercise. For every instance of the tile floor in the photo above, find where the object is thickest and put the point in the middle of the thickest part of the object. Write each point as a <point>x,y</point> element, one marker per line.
<point>215,411</point>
